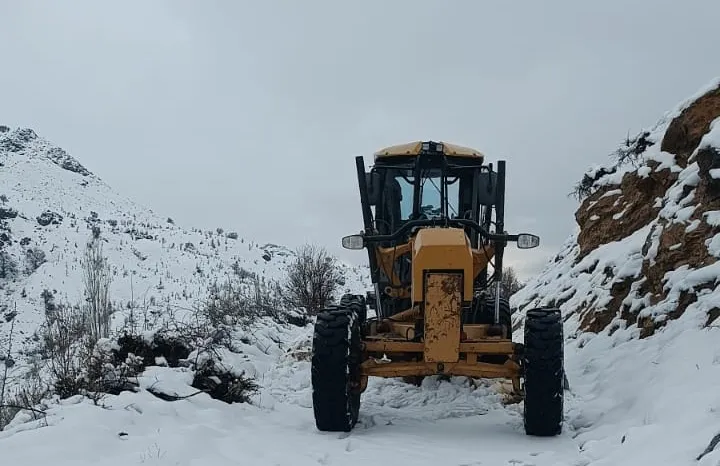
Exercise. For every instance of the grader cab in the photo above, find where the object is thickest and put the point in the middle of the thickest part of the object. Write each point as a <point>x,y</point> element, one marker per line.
<point>433,217</point>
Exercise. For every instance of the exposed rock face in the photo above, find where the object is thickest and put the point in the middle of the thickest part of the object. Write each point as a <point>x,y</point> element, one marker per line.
<point>610,214</point>
<point>25,139</point>
<point>687,129</point>
<point>649,230</point>
<point>49,217</point>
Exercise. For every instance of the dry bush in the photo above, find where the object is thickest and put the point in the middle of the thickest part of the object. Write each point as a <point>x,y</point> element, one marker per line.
<point>25,397</point>
<point>242,301</point>
<point>312,279</point>
<point>511,284</point>
<point>68,337</point>
<point>97,278</point>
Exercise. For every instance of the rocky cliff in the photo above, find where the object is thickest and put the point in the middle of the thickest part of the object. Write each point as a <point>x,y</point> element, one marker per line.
<point>647,241</point>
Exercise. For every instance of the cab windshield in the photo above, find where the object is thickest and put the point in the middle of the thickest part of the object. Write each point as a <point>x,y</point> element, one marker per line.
<point>430,196</point>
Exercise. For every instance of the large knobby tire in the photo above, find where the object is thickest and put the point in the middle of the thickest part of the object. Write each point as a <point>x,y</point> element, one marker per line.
<point>357,303</point>
<point>483,312</point>
<point>335,372</point>
<point>543,366</point>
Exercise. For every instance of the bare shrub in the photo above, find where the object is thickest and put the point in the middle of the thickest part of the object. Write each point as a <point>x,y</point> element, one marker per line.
<point>312,279</point>
<point>511,284</point>
<point>222,384</point>
<point>242,300</point>
<point>24,397</point>
<point>65,346</point>
<point>632,148</point>
<point>630,151</point>
<point>97,277</point>
<point>69,335</point>
<point>8,267</point>
<point>243,273</point>
<point>34,258</point>
<point>5,416</point>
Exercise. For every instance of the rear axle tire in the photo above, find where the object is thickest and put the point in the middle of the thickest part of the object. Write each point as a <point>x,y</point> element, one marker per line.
<point>483,312</point>
<point>357,303</point>
<point>543,366</point>
<point>335,371</point>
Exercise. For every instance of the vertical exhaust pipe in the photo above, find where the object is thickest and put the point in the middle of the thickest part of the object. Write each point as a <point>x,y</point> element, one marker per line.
<point>500,229</point>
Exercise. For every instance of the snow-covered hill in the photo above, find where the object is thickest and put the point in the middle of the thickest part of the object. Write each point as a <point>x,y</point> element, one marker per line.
<point>49,205</point>
<point>637,283</point>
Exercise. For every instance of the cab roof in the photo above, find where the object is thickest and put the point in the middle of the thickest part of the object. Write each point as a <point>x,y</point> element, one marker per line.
<point>415,148</point>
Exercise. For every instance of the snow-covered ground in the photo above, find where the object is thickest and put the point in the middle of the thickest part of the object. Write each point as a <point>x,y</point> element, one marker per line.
<point>651,401</point>
<point>631,402</point>
<point>448,422</point>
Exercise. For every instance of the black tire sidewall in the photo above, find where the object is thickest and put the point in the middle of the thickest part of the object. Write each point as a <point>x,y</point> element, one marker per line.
<point>335,364</point>
<point>543,372</point>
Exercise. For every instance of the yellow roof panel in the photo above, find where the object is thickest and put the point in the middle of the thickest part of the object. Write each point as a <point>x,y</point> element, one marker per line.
<point>414,148</point>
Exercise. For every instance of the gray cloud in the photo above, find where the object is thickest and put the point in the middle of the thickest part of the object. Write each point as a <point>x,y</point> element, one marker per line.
<point>248,116</point>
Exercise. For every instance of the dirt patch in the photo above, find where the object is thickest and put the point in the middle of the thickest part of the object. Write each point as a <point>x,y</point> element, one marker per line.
<point>595,320</point>
<point>713,314</point>
<point>687,129</point>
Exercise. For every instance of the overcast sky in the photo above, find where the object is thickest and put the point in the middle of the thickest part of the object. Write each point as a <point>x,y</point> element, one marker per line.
<point>247,115</point>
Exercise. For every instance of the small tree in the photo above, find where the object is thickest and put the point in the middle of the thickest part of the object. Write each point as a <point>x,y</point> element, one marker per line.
<point>510,282</point>
<point>313,276</point>
<point>97,278</point>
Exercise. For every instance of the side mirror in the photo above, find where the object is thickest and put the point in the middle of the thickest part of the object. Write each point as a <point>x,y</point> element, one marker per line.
<point>353,242</point>
<point>527,241</point>
<point>487,192</point>
<point>372,180</point>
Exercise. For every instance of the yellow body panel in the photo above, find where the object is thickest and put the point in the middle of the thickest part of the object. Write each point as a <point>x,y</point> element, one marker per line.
<point>443,302</point>
<point>446,249</point>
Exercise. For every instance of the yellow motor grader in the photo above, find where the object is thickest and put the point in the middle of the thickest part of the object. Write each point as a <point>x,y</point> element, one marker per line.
<point>433,216</point>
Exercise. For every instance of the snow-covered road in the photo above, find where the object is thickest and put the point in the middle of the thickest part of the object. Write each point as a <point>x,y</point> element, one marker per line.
<point>627,407</point>
<point>454,422</point>
<point>450,424</point>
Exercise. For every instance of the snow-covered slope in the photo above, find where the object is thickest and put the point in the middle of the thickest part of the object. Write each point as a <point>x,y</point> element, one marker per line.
<point>637,283</point>
<point>645,249</point>
<point>49,205</point>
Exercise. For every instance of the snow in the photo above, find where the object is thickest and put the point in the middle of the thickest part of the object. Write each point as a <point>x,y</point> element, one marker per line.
<point>612,192</point>
<point>712,217</point>
<point>156,264</point>
<point>650,390</point>
<point>713,245</point>
<point>631,401</point>
<point>620,214</point>
<point>712,137</point>
<point>197,431</point>
<point>692,226</point>
<point>651,400</point>
<point>644,171</point>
